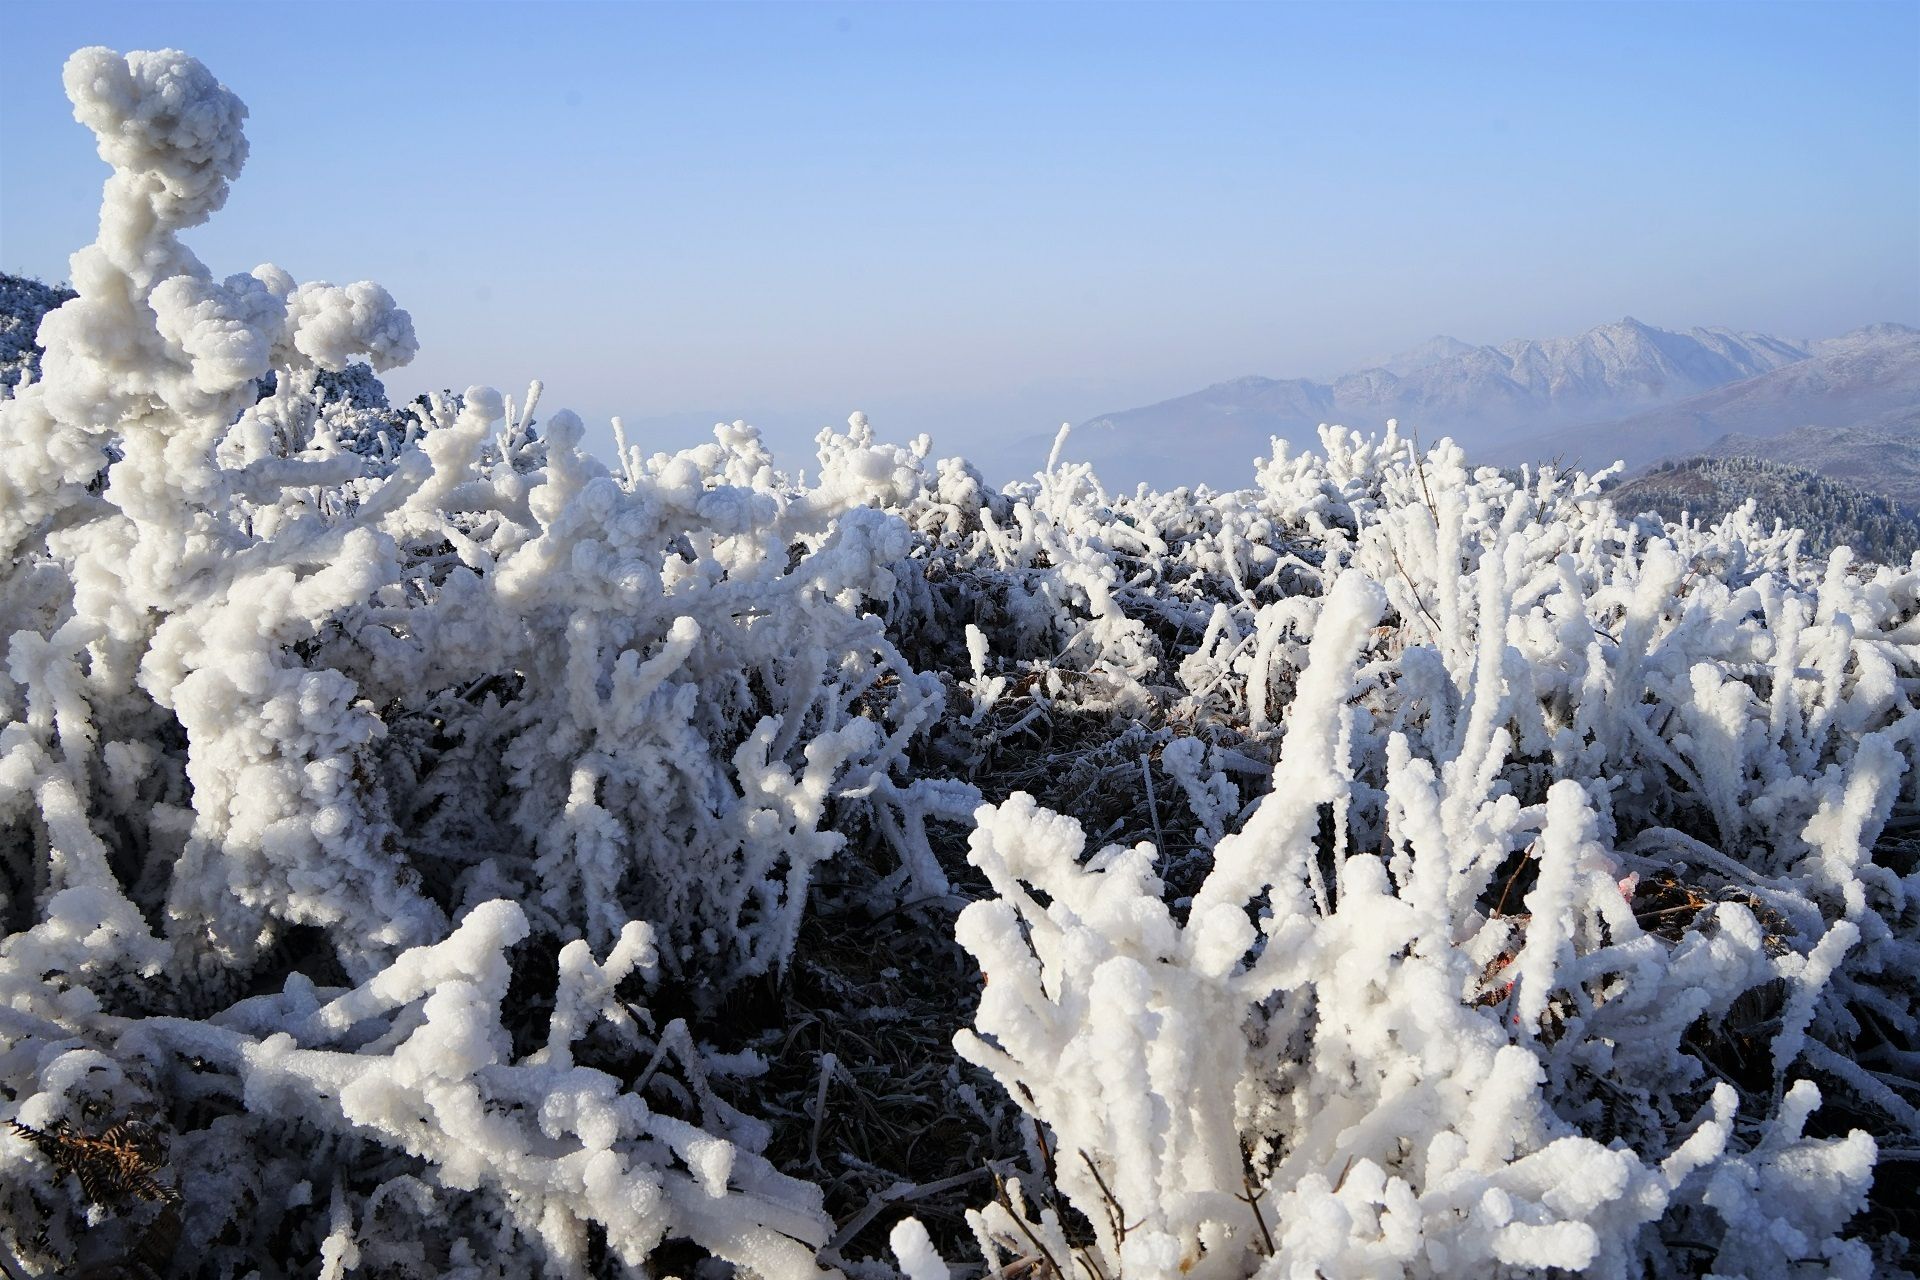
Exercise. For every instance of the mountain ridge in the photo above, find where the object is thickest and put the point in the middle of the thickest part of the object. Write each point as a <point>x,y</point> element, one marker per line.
<point>1850,381</point>
<point>1481,395</point>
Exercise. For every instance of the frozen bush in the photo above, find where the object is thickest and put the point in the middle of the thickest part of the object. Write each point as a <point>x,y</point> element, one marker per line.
<point>283,710</point>
<point>408,825</point>
<point>1429,1071</point>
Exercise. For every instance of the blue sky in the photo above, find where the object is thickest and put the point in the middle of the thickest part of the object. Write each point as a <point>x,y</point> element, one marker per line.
<point>982,220</point>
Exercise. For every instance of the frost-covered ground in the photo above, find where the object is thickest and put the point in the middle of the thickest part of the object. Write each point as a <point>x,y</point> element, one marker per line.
<point>430,853</point>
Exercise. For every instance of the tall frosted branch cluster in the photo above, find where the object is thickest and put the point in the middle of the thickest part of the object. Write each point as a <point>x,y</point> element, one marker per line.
<point>267,694</point>
<point>411,829</point>
<point>1557,800</point>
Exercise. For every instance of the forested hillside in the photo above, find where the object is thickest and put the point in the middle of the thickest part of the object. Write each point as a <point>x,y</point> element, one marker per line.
<point>1880,456</point>
<point>22,302</point>
<point>1832,514</point>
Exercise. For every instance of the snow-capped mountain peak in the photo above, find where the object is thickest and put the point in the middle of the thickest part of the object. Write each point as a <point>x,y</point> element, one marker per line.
<point>1433,351</point>
<point>1477,394</point>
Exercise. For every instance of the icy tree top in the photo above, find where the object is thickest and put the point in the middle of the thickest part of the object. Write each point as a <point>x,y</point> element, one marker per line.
<point>170,130</point>
<point>155,353</point>
<point>174,138</point>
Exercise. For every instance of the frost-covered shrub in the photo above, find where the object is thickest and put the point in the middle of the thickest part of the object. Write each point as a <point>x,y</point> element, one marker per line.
<point>286,711</point>
<point>350,407</point>
<point>1568,815</point>
<point>410,825</point>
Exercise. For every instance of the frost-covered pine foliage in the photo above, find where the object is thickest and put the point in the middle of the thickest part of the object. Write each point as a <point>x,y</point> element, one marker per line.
<point>1831,512</point>
<point>23,302</point>
<point>411,830</point>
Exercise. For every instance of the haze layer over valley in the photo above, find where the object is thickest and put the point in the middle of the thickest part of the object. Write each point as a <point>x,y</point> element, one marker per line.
<point>1530,399</point>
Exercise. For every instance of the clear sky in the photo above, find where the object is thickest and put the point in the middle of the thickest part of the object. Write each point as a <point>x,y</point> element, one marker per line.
<point>981,220</point>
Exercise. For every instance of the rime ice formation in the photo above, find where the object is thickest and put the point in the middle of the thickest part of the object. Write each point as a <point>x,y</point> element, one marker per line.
<point>1402,1081</point>
<point>213,612</point>
<point>400,826</point>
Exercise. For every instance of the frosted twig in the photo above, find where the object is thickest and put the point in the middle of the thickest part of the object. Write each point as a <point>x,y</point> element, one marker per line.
<point>1020,1221</point>
<point>827,1065</point>
<point>1252,1200</point>
<point>1153,812</point>
<point>899,1193</point>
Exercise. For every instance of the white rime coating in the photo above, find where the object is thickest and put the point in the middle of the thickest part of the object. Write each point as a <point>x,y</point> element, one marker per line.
<point>1408,1076</point>
<point>331,325</point>
<point>395,807</point>
<point>914,1249</point>
<point>637,699</point>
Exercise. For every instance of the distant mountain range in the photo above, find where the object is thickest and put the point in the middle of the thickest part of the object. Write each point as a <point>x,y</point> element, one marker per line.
<point>1656,392</point>
<point>1868,378</point>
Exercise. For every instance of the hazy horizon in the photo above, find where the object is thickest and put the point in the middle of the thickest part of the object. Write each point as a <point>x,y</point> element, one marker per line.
<point>981,221</point>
